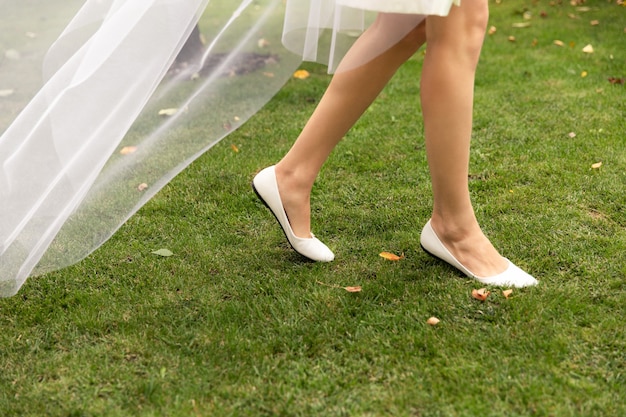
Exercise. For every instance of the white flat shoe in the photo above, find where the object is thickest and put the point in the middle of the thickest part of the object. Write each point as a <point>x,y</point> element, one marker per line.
<point>266,188</point>
<point>513,276</point>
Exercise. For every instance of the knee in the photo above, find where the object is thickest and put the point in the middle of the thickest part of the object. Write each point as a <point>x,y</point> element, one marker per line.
<point>476,25</point>
<point>462,32</point>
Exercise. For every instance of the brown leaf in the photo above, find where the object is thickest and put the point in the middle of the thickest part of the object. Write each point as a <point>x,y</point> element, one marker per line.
<point>511,38</point>
<point>614,80</point>
<point>390,256</point>
<point>594,22</point>
<point>301,74</point>
<point>507,293</point>
<point>349,289</point>
<point>433,321</point>
<point>127,150</point>
<point>234,148</point>
<point>481,294</point>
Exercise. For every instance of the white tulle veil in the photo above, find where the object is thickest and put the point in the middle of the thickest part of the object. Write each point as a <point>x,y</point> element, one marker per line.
<point>98,111</point>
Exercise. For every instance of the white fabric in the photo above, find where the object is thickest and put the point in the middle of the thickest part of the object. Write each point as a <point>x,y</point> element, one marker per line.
<point>324,30</point>
<point>425,7</point>
<point>65,187</point>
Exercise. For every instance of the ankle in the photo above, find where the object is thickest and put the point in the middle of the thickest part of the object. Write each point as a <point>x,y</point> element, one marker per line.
<point>294,179</point>
<point>455,228</point>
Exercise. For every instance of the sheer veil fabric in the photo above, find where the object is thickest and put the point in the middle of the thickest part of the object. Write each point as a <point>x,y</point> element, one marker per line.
<point>84,142</point>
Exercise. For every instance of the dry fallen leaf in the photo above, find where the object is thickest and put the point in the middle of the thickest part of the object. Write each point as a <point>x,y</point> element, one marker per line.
<point>521,25</point>
<point>390,256</point>
<point>588,49</point>
<point>511,38</point>
<point>301,74</point>
<point>142,187</point>
<point>268,74</point>
<point>507,293</point>
<point>558,43</point>
<point>356,288</point>
<point>166,253</point>
<point>594,22</point>
<point>263,43</point>
<point>492,30</point>
<point>481,294</point>
<point>596,165</point>
<point>234,148</point>
<point>571,135</point>
<point>127,150</point>
<point>168,112</point>
<point>433,321</point>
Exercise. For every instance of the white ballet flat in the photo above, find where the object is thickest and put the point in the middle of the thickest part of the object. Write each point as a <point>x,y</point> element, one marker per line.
<point>266,188</point>
<point>513,276</point>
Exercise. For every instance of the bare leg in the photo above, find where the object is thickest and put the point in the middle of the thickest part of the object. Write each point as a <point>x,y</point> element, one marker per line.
<point>447,92</point>
<point>349,94</point>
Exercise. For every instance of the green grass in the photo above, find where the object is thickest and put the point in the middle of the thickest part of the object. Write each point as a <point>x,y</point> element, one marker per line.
<point>236,323</point>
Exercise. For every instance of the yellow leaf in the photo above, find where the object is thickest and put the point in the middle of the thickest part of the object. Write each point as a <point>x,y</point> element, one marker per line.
<point>433,321</point>
<point>127,150</point>
<point>481,294</point>
<point>234,148</point>
<point>558,43</point>
<point>390,256</point>
<point>353,289</point>
<point>588,49</point>
<point>511,38</point>
<point>584,74</point>
<point>168,112</point>
<point>492,30</point>
<point>507,293</point>
<point>596,165</point>
<point>521,25</point>
<point>301,74</point>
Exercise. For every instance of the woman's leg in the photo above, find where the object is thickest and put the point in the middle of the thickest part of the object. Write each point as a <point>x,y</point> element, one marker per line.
<point>349,94</point>
<point>447,92</point>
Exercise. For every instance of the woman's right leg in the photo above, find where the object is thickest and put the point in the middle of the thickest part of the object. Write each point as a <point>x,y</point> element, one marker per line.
<point>349,94</point>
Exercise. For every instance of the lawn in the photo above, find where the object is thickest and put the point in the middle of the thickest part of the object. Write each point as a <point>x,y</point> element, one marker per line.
<point>237,324</point>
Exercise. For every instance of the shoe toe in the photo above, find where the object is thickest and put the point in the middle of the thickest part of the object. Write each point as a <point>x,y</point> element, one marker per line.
<point>513,276</point>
